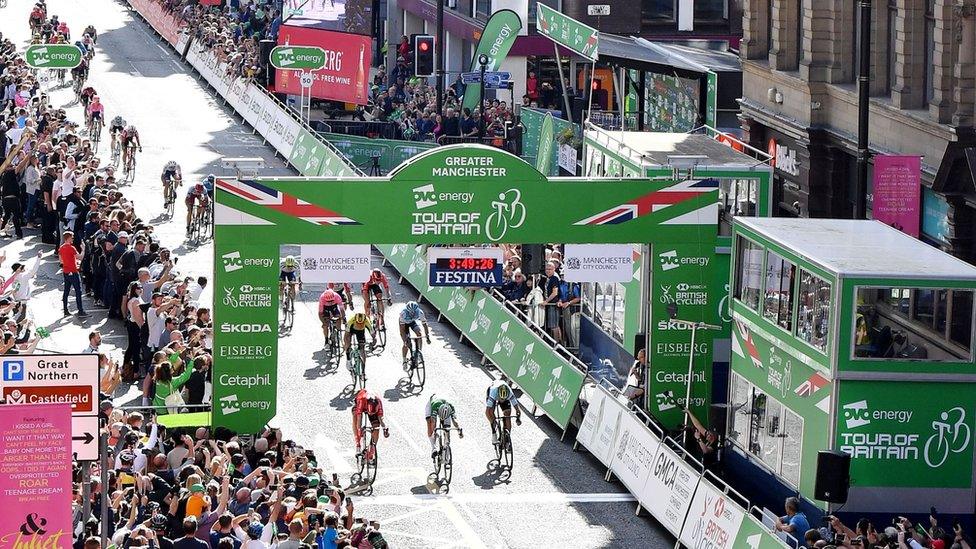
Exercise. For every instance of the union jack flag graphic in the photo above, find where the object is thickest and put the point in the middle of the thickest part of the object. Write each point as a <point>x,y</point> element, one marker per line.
<point>651,202</point>
<point>749,343</point>
<point>813,384</point>
<point>256,193</point>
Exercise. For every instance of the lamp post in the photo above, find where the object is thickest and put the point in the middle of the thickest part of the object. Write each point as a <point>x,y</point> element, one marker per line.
<point>439,49</point>
<point>863,108</point>
<point>483,61</point>
<point>695,326</point>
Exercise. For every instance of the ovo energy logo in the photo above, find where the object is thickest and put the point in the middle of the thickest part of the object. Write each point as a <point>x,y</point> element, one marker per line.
<point>232,261</point>
<point>856,414</point>
<point>424,196</point>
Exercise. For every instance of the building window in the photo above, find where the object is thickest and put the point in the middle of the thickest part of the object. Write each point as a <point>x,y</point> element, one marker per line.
<point>813,317</point>
<point>769,26</point>
<point>748,280</point>
<point>798,47</point>
<point>711,11</point>
<point>931,324</point>
<point>929,74</point>
<point>890,53</point>
<point>659,11</point>
<point>765,428</point>
<point>482,8</point>
<point>778,303</point>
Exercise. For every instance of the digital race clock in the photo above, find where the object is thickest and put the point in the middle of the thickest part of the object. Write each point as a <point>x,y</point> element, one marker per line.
<point>465,267</point>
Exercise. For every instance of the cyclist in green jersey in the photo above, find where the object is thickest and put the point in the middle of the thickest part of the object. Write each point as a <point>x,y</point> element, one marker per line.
<point>289,275</point>
<point>440,412</point>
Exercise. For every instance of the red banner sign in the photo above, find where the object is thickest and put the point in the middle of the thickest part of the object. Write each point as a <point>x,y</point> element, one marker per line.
<point>162,21</point>
<point>343,78</point>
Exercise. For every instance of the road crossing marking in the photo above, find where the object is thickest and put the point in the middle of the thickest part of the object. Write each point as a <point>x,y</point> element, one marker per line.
<point>555,498</point>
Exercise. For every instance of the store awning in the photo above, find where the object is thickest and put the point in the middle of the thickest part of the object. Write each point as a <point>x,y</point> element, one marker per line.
<point>665,57</point>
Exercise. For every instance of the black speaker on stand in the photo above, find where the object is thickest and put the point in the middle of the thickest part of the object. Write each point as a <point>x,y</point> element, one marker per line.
<point>833,476</point>
<point>265,60</point>
<point>533,259</point>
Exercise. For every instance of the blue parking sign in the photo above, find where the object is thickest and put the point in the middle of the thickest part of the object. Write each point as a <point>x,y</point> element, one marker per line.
<point>13,370</point>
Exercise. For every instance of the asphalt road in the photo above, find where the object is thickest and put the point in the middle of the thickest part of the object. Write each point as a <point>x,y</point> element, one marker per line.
<point>554,497</point>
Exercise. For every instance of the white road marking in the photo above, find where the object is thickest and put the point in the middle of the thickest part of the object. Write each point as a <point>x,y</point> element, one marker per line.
<point>329,449</point>
<point>553,498</point>
<point>396,428</point>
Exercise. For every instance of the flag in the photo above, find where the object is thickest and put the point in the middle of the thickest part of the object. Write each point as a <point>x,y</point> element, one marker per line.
<point>651,202</point>
<point>813,384</point>
<point>281,202</point>
<point>750,345</point>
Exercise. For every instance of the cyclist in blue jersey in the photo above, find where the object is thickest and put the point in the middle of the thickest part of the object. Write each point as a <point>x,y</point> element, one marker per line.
<point>411,317</point>
<point>500,394</point>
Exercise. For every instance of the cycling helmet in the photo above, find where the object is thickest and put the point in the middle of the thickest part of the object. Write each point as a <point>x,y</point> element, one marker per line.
<point>445,411</point>
<point>95,98</point>
<point>198,185</point>
<point>211,178</point>
<point>330,297</point>
<point>159,522</point>
<point>377,271</point>
<point>130,128</point>
<point>119,121</point>
<point>359,319</point>
<point>290,261</point>
<point>172,166</point>
<point>413,309</point>
<point>504,391</point>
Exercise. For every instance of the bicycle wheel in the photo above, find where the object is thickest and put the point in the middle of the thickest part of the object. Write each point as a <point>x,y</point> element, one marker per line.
<point>506,450</point>
<point>447,465</point>
<point>419,371</point>
<point>371,466</point>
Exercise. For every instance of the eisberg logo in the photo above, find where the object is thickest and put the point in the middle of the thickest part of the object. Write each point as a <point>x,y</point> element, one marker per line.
<point>233,261</point>
<point>228,328</point>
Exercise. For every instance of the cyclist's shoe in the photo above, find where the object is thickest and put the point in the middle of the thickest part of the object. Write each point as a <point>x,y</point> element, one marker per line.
<point>406,365</point>
<point>494,438</point>
<point>349,364</point>
<point>433,455</point>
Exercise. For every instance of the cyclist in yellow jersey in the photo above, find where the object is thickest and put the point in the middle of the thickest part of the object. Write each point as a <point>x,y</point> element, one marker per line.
<point>357,326</point>
<point>290,275</point>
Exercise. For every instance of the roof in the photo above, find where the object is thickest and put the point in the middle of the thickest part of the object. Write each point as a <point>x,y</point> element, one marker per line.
<point>654,148</point>
<point>639,50</point>
<point>860,248</point>
<point>719,61</point>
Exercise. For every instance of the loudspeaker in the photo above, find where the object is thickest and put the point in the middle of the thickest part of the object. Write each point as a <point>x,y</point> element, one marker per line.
<point>533,259</point>
<point>264,61</point>
<point>833,476</point>
<point>717,418</point>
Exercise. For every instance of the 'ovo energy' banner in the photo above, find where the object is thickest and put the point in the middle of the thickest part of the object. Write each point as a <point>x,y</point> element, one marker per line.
<point>496,41</point>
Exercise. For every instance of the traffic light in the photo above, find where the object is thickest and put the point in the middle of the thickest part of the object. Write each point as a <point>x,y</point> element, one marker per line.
<point>423,54</point>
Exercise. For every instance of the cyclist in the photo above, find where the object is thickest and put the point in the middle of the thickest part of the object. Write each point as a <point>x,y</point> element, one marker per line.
<point>115,129</point>
<point>130,140</point>
<point>371,288</point>
<point>64,31</point>
<point>410,319</point>
<point>196,193</point>
<point>372,405</point>
<point>95,110</point>
<point>90,31</point>
<point>344,289</point>
<point>500,394</point>
<point>80,73</point>
<point>444,411</point>
<point>172,174</point>
<point>357,326</point>
<point>86,97</point>
<point>36,18</point>
<point>330,308</point>
<point>209,183</point>
<point>289,275</point>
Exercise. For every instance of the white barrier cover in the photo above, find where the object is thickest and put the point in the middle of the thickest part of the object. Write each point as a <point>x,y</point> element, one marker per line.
<point>713,520</point>
<point>283,131</point>
<point>633,453</point>
<point>269,111</point>
<point>669,488</point>
<point>599,426</point>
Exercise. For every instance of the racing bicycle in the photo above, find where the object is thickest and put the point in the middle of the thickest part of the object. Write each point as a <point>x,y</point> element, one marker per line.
<point>95,131</point>
<point>443,463</point>
<point>129,163</point>
<point>332,345</point>
<point>358,371</point>
<point>366,459</point>
<point>378,335</point>
<point>417,369</point>
<point>169,195</point>
<point>199,224</point>
<point>503,447</point>
<point>116,150</point>
<point>287,308</point>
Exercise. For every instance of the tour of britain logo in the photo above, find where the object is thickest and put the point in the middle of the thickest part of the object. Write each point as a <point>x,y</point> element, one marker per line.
<point>465,219</point>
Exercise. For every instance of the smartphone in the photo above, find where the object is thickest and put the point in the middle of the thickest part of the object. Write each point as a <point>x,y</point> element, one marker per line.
<point>840,537</point>
<point>349,500</point>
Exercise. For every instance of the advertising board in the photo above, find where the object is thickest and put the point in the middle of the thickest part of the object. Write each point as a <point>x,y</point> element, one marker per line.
<point>322,263</point>
<point>344,74</point>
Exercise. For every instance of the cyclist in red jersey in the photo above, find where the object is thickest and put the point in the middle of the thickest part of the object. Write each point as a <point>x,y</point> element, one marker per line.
<point>372,288</point>
<point>372,405</point>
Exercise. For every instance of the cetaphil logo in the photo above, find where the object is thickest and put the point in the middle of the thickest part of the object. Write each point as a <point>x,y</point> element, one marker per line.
<point>856,414</point>
<point>233,261</point>
<point>424,196</point>
<point>229,328</point>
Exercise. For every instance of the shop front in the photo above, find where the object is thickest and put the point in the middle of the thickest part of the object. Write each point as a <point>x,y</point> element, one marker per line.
<point>851,336</point>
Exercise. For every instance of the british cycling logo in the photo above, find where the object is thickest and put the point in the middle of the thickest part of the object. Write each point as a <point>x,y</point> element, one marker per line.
<point>952,435</point>
<point>248,296</point>
<point>233,261</point>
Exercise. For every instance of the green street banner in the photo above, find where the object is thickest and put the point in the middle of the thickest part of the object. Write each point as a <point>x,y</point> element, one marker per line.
<point>497,39</point>
<point>568,32</point>
<point>543,159</point>
<point>463,194</point>
<point>551,382</point>
<point>908,434</point>
<point>311,157</point>
<point>307,58</point>
<point>52,56</point>
<point>532,120</point>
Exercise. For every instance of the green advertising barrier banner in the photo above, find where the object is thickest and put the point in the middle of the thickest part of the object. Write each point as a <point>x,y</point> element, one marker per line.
<point>463,194</point>
<point>314,158</point>
<point>361,150</point>
<point>904,433</point>
<point>671,103</point>
<point>543,160</point>
<point>711,100</point>
<point>497,39</point>
<point>532,120</point>
<point>552,383</point>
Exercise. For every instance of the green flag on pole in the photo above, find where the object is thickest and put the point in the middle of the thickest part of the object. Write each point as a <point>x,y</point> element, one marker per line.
<point>543,160</point>
<point>496,40</point>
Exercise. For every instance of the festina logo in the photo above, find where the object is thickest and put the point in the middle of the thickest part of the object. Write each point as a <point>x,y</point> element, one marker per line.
<point>467,278</point>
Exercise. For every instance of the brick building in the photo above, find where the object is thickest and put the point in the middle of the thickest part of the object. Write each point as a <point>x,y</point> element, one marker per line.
<point>800,101</point>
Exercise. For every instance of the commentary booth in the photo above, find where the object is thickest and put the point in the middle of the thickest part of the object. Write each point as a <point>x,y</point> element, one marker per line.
<point>853,337</point>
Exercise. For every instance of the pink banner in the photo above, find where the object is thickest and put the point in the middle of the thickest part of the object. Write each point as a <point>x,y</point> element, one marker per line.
<point>898,191</point>
<point>35,475</point>
<point>162,21</point>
